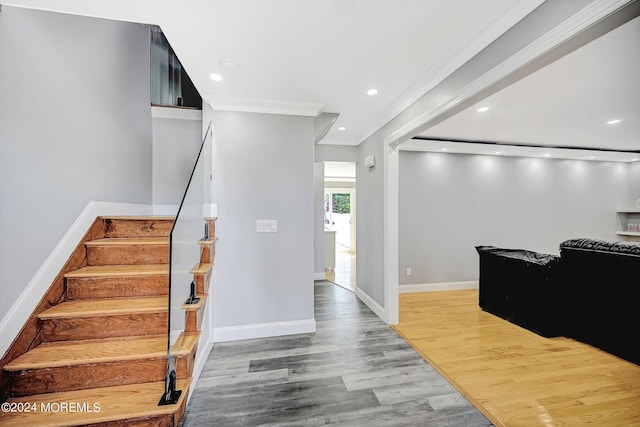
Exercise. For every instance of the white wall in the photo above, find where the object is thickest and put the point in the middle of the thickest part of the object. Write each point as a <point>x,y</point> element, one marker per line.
<point>177,137</point>
<point>339,184</point>
<point>634,185</point>
<point>370,222</point>
<point>336,153</point>
<point>263,169</point>
<point>450,203</point>
<point>318,221</point>
<point>75,126</point>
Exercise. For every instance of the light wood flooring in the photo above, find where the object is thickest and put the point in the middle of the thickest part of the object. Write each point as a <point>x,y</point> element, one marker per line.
<point>514,376</point>
<point>354,371</point>
<point>344,273</point>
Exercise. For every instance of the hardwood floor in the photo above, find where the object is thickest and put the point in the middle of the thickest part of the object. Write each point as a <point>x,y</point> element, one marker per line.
<point>515,377</point>
<point>354,371</point>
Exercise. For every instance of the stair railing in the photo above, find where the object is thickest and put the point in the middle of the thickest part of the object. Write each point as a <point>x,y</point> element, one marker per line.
<point>189,227</point>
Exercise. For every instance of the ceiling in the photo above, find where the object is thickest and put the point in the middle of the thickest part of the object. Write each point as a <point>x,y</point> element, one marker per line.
<point>312,56</point>
<point>567,103</point>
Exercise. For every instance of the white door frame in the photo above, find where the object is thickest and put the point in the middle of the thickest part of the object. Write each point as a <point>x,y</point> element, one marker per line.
<point>589,16</point>
<point>352,198</point>
<point>391,234</point>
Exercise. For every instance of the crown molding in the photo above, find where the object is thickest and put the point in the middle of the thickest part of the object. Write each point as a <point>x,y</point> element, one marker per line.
<point>266,106</point>
<point>579,22</point>
<point>339,141</point>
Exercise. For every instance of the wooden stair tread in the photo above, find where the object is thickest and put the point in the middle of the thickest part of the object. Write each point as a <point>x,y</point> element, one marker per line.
<point>127,402</point>
<point>122,241</point>
<point>201,268</point>
<point>119,270</point>
<point>68,353</point>
<point>196,306</point>
<point>208,242</point>
<point>106,306</point>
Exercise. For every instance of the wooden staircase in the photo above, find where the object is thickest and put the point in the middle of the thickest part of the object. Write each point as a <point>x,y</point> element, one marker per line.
<point>101,353</point>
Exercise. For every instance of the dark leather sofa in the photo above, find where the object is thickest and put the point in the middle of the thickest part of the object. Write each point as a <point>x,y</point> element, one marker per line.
<point>519,286</point>
<point>587,293</point>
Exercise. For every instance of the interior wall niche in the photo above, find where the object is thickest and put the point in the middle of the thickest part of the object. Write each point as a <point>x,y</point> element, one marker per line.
<point>170,83</point>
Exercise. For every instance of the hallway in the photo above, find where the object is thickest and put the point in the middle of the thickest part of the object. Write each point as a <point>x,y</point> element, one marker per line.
<point>355,370</point>
<point>344,274</point>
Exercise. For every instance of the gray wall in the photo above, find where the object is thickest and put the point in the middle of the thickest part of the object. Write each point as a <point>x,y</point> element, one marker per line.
<point>336,153</point>
<point>370,221</point>
<point>450,203</point>
<point>263,169</point>
<point>176,143</point>
<point>318,218</point>
<point>634,185</point>
<point>75,126</point>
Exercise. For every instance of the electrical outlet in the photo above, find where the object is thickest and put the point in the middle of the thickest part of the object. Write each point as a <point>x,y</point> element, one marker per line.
<point>267,226</point>
<point>409,272</point>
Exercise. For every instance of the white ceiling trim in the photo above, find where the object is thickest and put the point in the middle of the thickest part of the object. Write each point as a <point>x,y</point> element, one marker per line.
<point>341,141</point>
<point>339,179</point>
<point>481,37</point>
<point>587,17</point>
<point>267,106</point>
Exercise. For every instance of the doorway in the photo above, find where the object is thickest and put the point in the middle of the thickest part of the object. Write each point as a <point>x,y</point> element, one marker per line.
<point>340,224</point>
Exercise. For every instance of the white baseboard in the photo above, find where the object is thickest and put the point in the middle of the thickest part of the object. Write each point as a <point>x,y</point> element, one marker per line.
<point>205,344</point>
<point>262,330</point>
<point>19,313</point>
<point>372,304</point>
<point>319,276</point>
<point>444,286</point>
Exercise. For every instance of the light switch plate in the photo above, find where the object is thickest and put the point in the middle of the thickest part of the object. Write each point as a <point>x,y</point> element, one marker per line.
<point>267,225</point>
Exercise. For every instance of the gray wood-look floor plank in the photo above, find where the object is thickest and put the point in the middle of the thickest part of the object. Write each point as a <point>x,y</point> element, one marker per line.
<point>354,371</point>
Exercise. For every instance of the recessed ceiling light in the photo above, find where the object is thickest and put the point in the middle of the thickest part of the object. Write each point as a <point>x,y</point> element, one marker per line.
<point>372,92</point>
<point>215,77</point>
<point>498,152</point>
<point>634,160</point>
<point>342,128</point>
<point>547,155</point>
<point>614,121</point>
<point>592,157</point>
<point>444,149</point>
<point>482,109</point>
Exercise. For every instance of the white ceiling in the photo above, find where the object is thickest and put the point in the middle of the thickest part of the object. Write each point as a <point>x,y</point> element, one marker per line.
<point>305,57</point>
<point>566,103</point>
<point>312,56</point>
